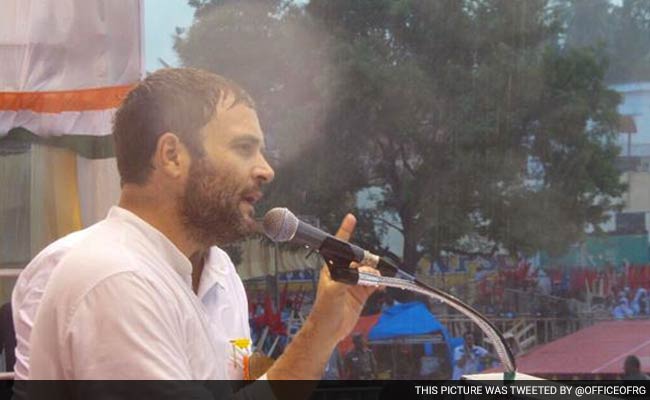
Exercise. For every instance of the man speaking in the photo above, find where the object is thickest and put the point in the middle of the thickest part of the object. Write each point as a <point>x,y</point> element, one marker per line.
<point>122,303</point>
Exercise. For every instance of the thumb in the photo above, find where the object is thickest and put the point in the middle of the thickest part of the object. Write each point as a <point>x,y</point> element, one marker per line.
<point>347,227</point>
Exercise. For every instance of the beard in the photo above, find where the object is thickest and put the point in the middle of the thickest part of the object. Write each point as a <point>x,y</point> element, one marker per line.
<point>209,206</point>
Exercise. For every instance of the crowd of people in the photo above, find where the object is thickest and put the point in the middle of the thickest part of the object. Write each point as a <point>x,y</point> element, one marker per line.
<point>620,291</point>
<point>535,292</point>
<point>628,307</point>
<point>544,290</point>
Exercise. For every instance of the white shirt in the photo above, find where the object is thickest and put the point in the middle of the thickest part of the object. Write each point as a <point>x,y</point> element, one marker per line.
<point>130,271</point>
<point>223,295</point>
<point>472,362</point>
<point>220,290</point>
<point>28,291</point>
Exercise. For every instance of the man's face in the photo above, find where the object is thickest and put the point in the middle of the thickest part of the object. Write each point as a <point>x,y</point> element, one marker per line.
<point>469,340</point>
<point>222,187</point>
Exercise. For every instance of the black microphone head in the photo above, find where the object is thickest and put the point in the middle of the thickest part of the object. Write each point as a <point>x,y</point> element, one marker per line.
<point>280,225</point>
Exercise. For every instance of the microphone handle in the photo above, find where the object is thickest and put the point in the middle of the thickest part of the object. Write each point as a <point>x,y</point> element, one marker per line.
<point>315,238</point>
<point>337,255</point>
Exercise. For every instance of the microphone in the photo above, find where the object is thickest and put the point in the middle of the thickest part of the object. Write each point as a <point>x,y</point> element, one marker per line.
<point>281,225</point>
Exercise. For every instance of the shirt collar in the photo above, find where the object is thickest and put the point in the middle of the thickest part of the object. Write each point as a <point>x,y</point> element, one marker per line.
<point>217,268</point>
<point>215,271</point>
<point>159,242</point>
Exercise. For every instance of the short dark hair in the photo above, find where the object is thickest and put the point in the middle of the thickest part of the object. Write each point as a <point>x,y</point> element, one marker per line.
<point>633,362</point>
<point>177,100</point>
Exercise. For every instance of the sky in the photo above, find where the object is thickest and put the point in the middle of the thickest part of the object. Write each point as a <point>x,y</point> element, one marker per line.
<point>161,17</point>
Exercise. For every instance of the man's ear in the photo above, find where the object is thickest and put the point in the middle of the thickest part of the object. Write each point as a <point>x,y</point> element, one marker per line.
<point>171,156</point>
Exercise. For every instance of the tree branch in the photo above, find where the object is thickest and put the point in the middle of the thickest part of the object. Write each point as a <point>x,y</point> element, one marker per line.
<point>392,225</point>
<point>391,175</point>
<point>408,167</point>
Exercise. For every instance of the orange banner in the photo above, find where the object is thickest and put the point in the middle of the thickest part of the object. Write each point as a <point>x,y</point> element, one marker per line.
<point>65,100</point>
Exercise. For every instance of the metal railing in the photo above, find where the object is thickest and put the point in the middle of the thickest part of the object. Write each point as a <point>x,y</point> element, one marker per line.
<point>10,272</point>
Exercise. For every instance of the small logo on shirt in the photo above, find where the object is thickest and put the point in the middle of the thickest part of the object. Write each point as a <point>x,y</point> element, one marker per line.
<point>241,352</point>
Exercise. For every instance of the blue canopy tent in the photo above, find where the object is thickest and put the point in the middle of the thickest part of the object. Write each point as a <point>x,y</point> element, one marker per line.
<point>410,323</point>
<point>406,319</point>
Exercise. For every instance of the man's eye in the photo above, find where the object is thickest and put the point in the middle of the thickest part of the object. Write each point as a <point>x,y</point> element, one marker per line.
<point>245,149</point>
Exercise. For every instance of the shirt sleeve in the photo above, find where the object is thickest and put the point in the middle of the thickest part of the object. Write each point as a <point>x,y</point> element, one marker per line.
<point>122,329</point>
<point>25,300</point>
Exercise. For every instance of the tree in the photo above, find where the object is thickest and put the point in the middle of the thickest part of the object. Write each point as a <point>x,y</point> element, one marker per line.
<point>467,117</point>
<point>631,42</point>
<point>280,55</point>
<point>622,30</point>
<point>459,100</point>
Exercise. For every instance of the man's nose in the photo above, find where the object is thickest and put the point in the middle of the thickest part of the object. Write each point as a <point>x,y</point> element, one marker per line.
<point>263,172</point>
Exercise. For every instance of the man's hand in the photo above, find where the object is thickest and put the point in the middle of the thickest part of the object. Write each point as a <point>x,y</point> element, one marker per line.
<point>338,305</point>
<point>335,313</point>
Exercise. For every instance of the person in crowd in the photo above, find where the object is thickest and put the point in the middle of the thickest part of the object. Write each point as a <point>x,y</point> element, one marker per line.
<point>334,367</point>
<point>622,310</point>
<point>360,362</point>
<point>638,304</point>
<point>543,282</point>
<point>469,358</point>
<point>405,365</point>
<point>7,336</point>
<point>632,369</point>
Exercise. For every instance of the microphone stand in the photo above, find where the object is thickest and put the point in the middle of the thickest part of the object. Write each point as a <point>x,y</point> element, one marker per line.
<point>338,255</point>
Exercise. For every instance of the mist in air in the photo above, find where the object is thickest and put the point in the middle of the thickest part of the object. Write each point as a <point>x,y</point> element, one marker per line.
<point>279,56</point>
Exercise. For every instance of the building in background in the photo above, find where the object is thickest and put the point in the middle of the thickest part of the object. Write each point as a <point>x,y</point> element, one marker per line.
<point>628,238</point>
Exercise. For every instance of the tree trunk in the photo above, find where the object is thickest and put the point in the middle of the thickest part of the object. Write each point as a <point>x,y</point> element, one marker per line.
<point>411,255</point>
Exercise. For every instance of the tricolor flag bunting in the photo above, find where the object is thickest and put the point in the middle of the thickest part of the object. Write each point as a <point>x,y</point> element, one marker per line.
<point>66,68</point>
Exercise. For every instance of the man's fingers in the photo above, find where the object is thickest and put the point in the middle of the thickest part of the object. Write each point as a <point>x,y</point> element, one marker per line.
<point>369,270</point>
<point>345,233</point>
<point>347,227</point>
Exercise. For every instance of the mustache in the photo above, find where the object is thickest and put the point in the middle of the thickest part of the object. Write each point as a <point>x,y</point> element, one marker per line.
<point>252,193</point>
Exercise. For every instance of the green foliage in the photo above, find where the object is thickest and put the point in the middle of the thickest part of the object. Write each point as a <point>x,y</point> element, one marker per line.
<point>469,117</point>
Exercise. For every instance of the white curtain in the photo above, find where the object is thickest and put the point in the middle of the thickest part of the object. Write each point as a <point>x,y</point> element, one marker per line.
<point>66,65</point>
<point>99,188</point>
<point>54,51</point>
